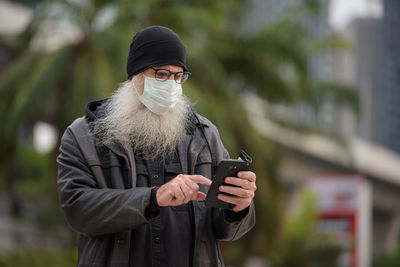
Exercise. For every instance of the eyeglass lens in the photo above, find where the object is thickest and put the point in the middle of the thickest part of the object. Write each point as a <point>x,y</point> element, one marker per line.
<point>163,75</point>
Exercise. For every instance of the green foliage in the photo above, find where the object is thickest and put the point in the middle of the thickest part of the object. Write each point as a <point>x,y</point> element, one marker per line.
<point>303,245</point>
<point>301,225</point>
<point>36,186</point>
<point>38,258</point>
<point>387,260</point>
<point>35,168</point>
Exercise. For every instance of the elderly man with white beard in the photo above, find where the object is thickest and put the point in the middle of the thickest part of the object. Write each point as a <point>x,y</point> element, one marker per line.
<point>133,173</point>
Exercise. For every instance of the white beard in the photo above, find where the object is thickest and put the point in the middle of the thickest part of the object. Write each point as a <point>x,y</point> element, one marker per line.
<point>126,120</point>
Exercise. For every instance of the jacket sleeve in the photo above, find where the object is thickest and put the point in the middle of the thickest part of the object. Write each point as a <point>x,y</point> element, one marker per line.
<point>226,229</point>
<point>89,209</point>
<point>227,224</point>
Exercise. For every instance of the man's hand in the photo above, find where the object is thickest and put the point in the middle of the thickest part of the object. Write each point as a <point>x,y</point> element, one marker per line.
<point>243,194</point>
<point>181,190</point>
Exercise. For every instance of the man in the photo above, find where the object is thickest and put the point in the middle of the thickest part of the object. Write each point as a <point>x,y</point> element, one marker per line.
<point>133,173</point>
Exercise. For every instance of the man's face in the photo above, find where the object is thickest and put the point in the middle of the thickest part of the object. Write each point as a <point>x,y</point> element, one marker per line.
<point>127,120</point>
<point>150,72</point>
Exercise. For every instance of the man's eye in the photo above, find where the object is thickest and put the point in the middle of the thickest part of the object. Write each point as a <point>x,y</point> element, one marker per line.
<point>162,75</point>
<point>178,76</point>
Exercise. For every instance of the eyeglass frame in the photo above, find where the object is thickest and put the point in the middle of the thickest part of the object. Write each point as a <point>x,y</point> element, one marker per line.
<point>170,73</point>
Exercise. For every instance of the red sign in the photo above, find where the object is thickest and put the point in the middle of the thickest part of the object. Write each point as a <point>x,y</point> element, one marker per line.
<point>343,207</point>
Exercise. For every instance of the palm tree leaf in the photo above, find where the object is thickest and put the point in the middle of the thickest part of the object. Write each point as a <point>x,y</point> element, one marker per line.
<point>35,89</point>
<point>14,73</point>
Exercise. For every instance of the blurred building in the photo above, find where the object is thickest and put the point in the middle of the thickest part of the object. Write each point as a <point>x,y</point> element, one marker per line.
<point>372,67</point>
<point>307,155</point>
<point>370,144</point>
<point>387,121</point>
<point>320,67</point>
<point>262,13</point>
<point>360,68</point>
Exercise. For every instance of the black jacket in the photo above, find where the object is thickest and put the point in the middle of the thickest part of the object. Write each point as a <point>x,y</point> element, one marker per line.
<point>97,193</point>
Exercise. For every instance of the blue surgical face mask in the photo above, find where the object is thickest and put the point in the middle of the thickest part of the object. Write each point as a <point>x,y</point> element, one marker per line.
<point>160,96</point>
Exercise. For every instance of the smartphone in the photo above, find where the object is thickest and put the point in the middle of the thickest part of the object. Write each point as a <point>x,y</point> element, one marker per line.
<point>226,168</point>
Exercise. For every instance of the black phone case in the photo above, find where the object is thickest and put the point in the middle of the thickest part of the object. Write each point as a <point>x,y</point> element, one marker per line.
<point>226,168</point>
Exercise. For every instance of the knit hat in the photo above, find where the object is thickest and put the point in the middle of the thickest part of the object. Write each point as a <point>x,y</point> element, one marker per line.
<point>155,46</point>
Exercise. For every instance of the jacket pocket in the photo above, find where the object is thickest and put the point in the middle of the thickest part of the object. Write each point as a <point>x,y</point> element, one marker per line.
<point>171,171</point>
<point>142,175</point>
<point>111,169</point>
<point>203,167</point>
<point>203,163</point>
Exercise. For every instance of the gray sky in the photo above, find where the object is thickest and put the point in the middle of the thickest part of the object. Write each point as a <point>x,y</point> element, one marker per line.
<point>343,11</point>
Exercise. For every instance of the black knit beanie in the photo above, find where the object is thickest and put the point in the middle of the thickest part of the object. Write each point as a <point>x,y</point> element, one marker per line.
<point>155,46</point>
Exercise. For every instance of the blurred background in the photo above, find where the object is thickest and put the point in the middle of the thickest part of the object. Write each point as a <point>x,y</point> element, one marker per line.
<point>309,88</point>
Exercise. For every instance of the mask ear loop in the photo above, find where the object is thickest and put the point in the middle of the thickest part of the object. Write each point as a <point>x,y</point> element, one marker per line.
<point>134,81</point>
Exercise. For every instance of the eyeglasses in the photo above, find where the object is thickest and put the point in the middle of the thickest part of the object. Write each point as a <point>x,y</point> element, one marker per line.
<point>162,75</point>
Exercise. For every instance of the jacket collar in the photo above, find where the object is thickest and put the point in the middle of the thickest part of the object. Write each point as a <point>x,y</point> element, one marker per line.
<point>93,110</point>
